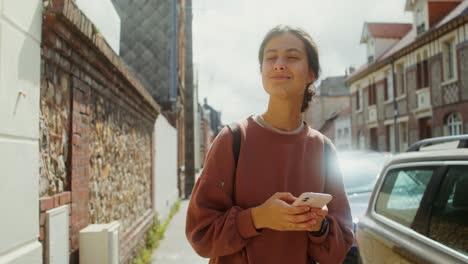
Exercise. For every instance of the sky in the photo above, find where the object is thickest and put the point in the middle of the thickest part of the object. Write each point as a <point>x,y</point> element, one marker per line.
<point>228,33</point>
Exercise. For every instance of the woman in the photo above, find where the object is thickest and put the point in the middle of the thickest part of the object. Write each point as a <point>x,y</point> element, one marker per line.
<point>251,219</point>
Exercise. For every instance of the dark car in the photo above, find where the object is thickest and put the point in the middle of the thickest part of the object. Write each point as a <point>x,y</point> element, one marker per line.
<point>418,211</point>
<point>360,171</point>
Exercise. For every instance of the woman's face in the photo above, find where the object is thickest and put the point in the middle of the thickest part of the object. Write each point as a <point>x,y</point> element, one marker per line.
<point>285,70</point>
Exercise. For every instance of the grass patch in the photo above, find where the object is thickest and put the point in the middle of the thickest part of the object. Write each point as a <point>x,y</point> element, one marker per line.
<point>154,235</point>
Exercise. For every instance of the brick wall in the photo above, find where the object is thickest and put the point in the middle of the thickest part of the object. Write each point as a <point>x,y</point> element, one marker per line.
<point>97,129</point>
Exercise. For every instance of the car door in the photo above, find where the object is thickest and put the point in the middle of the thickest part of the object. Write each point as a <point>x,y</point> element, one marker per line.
<point>394,207</point>
<point>447,225</point>
<point>408,201</point>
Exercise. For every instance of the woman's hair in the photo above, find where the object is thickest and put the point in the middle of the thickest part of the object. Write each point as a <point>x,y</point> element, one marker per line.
<point>311,50</point>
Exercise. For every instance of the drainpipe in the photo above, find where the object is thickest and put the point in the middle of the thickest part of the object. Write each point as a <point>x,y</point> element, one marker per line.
<point>174,56</point>
<point>395,111</point>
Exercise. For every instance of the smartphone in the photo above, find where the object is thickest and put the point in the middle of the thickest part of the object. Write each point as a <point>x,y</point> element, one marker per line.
<point>317,200</point>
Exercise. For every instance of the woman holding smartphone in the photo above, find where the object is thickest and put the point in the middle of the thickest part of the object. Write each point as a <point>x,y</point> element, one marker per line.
<point>244,213</point>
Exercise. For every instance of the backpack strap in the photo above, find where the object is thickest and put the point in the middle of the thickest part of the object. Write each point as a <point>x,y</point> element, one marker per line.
<point>236,136</point>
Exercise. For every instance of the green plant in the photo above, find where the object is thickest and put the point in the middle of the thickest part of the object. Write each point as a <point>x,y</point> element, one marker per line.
<point>154,235</point>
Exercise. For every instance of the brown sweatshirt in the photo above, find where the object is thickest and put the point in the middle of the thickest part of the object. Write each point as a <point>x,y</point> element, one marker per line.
<point>219,222</point>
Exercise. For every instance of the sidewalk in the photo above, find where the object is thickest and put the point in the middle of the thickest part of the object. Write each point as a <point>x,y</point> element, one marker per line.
<point>175,248</point>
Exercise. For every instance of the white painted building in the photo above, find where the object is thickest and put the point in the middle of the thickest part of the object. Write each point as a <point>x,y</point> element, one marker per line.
<point>165,189</point>
<point>20,38</point>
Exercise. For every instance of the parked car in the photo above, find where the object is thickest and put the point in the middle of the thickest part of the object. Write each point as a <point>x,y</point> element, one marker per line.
<point>418,211</point>
<point>360,171</point>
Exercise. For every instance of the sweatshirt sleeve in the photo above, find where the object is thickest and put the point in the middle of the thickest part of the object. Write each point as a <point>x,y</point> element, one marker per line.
<point>334,244</point>
<point>214,225</point>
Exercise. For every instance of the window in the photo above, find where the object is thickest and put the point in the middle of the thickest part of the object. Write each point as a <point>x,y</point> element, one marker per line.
<point>425,71</point>
<point>346,131</point>
<point>401,194</point>
<point>422,74</point>
<point>449,219</point>
<point>454,124</point>
<point>448,53</point>
<point>339,133</point>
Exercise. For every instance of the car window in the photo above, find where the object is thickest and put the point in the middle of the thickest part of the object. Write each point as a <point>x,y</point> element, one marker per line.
<point>402,192</point>
<point>449,219</point>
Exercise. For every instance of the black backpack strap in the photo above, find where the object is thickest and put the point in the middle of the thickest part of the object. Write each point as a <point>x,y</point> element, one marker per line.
<point>236,136</point>
<point>236,141</point>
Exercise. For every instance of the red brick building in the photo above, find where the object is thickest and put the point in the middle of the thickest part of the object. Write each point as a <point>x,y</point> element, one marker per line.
<point>414,85</point>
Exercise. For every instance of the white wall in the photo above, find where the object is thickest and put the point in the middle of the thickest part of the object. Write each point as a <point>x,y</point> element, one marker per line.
<point>104,16</point>
<point>165,170</point>
<point>20,36</point>
<point>423,15</point>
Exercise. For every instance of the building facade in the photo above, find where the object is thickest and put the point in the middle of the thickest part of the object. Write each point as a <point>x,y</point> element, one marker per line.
<point>156,42</point>
<point>331,98</point>
<point>329,111</point>
<point>414,84</point>
<point>210,125</point>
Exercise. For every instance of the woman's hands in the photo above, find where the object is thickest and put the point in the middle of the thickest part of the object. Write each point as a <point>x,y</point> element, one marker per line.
<point>277,213</point>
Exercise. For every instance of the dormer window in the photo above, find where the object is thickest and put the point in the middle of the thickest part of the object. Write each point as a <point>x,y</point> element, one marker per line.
<point>380,37</point>
<point>427,13</point>
<point>420,23</point>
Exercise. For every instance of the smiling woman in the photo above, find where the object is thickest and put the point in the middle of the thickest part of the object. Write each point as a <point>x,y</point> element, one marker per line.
<point>285,48</point>
<point>241,210</point>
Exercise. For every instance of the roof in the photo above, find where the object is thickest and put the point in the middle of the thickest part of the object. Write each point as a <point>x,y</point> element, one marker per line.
<point>459,10</point>
<point>385,30</point>
<point>410,38</point>
<point>409,5</point>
